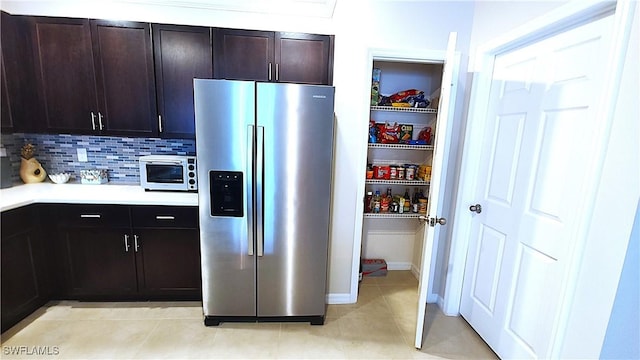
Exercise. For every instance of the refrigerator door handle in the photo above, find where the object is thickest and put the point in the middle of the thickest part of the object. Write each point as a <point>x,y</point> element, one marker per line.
<point>250,213</point>
<point>259,191</point>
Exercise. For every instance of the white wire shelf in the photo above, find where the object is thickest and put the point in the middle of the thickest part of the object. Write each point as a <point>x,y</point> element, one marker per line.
<point>400,146</point>
<point>393,215</point>
<point>405,109</point>
<point>396,182</point>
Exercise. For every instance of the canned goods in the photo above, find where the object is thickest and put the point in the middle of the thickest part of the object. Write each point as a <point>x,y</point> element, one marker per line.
<point>401,172</point>
<point>410,172</point>
<point>393,172</point>
<point>381,172</point>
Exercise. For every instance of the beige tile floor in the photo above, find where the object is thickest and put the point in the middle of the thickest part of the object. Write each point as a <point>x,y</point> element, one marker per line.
<point>381,325</point>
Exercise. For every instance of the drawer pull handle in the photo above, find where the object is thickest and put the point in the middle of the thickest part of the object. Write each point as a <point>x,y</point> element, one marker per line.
<point>165,217</point>
<point>91,216</point>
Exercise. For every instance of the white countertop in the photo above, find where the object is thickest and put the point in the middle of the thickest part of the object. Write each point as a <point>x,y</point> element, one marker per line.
<point>76,193</point>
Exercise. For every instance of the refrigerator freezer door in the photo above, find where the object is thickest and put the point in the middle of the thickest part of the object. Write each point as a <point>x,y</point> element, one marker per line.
<point>225,116</point>
<point>296,124</point>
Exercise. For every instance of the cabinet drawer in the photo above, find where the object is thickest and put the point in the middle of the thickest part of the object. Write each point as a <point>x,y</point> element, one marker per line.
<point>94,215</point>
<point>165,216</point>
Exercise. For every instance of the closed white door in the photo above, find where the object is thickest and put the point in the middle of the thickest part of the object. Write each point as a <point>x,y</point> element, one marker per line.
<point>538,144</point>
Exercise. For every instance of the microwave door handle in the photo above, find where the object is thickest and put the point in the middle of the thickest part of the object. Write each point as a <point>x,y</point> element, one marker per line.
<point>164,162</point>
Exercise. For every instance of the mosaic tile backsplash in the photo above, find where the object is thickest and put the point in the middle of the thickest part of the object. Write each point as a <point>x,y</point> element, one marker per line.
<point>58,153</point>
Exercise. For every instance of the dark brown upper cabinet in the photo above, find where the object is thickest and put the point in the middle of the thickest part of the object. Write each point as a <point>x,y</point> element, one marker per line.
<point>95,76</point>
<point>123,59</point>
<point>273,56</point>
<point>21,106</point>
<point>181,53</point>
<point>304,58</point>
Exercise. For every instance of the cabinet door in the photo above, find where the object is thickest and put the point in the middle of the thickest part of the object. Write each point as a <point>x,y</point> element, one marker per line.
<point>22,263</point>
<point>21,105</point>
<point>168,251</point>
<point>243,54</point>
<point>182,53</point>
<point>304,58</point>
<point>98,250</point>
<point>169,263</point>
<point>6,119</point>
<point>124,73</point>
<point>100,262</point>
<point>65,75</point>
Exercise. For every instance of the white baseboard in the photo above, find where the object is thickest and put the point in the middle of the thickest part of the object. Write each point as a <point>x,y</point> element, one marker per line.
<point>334,299</point>
<point>398,266</point>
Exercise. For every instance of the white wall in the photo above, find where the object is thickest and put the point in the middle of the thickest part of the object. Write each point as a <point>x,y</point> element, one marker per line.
<point>357,25</point>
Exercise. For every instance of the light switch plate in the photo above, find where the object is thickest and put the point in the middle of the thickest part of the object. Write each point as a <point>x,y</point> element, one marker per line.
<point>82,155</point>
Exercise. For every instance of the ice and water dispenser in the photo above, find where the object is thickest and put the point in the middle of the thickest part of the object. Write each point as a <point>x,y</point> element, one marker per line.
<point>226,193</point>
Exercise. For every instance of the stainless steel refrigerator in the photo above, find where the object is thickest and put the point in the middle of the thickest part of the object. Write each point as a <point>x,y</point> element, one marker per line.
<point>264,155</point>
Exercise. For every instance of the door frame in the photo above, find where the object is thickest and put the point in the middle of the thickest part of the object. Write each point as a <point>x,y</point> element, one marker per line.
<point>400,55</point>
<point>573,14</point>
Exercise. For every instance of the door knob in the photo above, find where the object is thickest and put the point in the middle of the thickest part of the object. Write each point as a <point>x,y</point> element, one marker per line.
<point>477,208</point>
<point>436,220</point>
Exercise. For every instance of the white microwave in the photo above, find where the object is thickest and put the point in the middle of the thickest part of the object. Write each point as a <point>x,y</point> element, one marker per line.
<point>168,172</point>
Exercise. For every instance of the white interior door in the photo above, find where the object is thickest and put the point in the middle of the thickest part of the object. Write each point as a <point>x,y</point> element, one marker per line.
<point>441,146</point>
<point>539,141</point>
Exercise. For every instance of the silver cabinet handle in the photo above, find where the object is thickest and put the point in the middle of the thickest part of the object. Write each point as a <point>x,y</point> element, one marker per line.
<point>100,120</point>
<point>93,120</point>
<point>91,216</point>
<point>269,71</point>
<point>165,217</point>
<point>160,123</point>
<point>259,191</point>
<point>277,72</point>
<point>126,243</point>
<point>136,246</point>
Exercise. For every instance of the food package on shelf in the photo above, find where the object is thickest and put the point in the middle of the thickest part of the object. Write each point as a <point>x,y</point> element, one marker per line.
<point>373,132</point>
<point>389,133</point>
<point>406,98</point>
<point>424,172</point>
<point>375,86</point>
<point>406,133</point>
<point>425,135</point>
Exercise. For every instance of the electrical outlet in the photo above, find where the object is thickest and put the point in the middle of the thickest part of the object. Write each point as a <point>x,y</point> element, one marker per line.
<point>82,155</point>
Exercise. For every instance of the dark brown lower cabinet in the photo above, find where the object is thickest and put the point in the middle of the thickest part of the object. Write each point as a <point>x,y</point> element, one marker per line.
<point>169,263</point>
<point>131,252</point>
<point>97,253</point>
<point>98,265</point>
<point>23,272</point>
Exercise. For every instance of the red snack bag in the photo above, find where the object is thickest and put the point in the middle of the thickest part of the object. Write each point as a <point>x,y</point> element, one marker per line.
<point>390,134</point>
<point>401,95</point>
<point>425,134</point>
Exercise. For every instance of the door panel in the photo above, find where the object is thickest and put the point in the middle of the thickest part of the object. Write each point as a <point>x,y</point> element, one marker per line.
<point>224,139</point>
<point>539,144</point>
<point>487,271</point>
<point>297,122</point>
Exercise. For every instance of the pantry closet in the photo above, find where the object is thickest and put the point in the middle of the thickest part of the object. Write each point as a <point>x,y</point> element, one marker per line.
<point>407,152</point>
